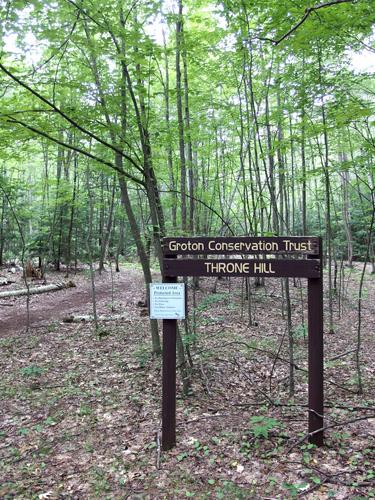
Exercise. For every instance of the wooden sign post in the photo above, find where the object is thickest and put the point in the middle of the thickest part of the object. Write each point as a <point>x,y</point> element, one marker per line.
<point>309,267</point>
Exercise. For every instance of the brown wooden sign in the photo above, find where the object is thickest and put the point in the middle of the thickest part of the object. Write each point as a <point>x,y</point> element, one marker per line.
<point>308,265</point>
<point>242,245</point>
<point>276,268</point>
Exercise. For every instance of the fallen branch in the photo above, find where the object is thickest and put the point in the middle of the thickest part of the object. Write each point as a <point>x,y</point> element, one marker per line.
<point>90,317</point>
<point>40,289</point>
<point>342,355</point>
<point>276,356</point>
<point>256,387</point>
<point>308,434</point>
<point>305,405</point>
<point>330,426</point>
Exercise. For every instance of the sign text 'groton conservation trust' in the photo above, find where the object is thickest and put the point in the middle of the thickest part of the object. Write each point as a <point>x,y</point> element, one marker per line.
<point>241,245</point>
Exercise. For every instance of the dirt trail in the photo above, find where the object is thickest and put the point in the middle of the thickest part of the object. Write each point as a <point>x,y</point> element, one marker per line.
<point>49,307</point>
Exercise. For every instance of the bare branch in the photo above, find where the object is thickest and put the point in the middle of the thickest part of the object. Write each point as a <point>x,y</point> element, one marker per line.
<point>13,120</point>
<point>198,200</point>
<point>83,11</point>
<point>308,11</point>
<point>22,111</point>
<point>69,119</point>
<point>62,46</point>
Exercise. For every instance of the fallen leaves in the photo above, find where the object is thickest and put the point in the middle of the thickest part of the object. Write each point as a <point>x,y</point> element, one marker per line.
<point>89,429</point>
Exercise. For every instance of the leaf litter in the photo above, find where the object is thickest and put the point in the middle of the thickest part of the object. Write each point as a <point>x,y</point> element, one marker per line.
<point>80,416</point>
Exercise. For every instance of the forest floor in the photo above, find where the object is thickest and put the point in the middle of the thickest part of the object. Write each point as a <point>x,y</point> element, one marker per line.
<point>80,413</point>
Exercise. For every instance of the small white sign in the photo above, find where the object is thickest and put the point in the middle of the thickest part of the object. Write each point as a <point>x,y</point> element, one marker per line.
<point>167,301</point>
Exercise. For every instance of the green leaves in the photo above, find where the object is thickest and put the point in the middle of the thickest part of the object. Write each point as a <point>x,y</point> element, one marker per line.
<point>32,371</point>
<point>260,426</point>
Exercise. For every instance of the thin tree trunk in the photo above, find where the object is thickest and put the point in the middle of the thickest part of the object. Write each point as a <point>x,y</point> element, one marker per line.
<point>2,230</point>
<point>89,248</point>
<point>327,185</point>
<point>271,172</point>
<point>303,156</point>
<point>359,309</point>
<point>126,84</point>
<point>346,212</point>
<point>120,246</point>
<point>172,184</point>
<point>108,229</point>
<point>181,140</point>
<point>190,165</point>
<point>125,200</point>
<point>21,233</point>
<point>71,220</point>
<point>57,211</point>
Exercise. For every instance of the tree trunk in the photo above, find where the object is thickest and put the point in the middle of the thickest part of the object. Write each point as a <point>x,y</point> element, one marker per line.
<point>57,211</point>
<point>71,220</point>
<point>89,247</point>
<point>303,156</point>
<point>346,211</point>
<point>125,200</point>
<point>190,166</point>
<point>172,185</point>
<point>2,230</point>
<point>120,245</point>
<point>181,140</point>
<point>108,229</point>
<point>271,172</point>
<point>327,184</point>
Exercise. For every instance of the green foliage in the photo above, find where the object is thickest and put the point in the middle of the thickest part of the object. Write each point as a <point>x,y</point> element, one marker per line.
<point>182,456</point>
<point>100,481</point>
<point>230,489</point>
<point>300,331</point>
<point>199,447</point>
<point>53,326</point>
<point>211,299</point>
<point>102,332</point>
<point>217,53</point>
<point>261,425</point>
<point>295,489</point>
<point>85,410</point>
<point>142,355</point>
<point>50,421</point>
<point>32,371</point>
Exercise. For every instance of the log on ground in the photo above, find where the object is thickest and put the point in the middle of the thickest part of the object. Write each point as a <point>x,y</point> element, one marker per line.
<point>5,281</point>
<point>90,317</point>
<point>40,289</point>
